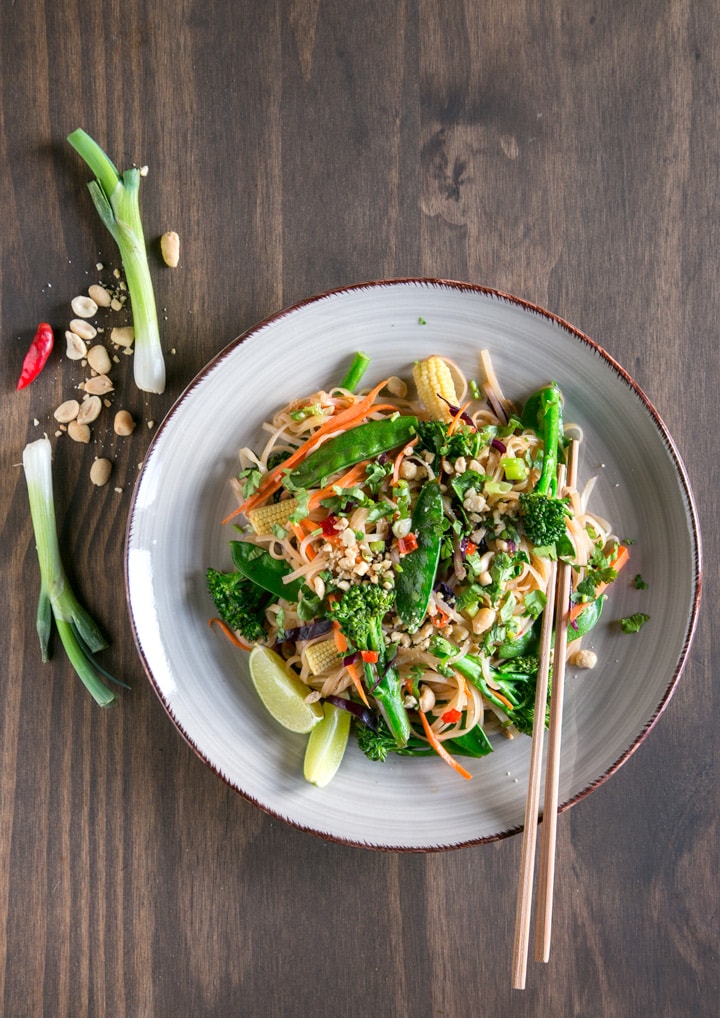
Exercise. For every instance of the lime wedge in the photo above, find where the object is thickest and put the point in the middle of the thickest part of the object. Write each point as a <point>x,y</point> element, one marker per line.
<point>326,746</point>
<point>282,692</point>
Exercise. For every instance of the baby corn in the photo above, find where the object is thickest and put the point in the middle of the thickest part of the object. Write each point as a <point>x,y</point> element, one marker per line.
<point>434,383</point>
<point>322,655</point>
<point>265,518</point>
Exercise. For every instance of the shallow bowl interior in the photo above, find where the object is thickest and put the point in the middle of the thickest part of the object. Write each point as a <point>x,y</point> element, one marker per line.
<point>174,534</point>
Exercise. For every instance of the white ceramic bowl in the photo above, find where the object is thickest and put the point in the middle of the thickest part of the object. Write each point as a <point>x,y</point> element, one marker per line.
<point>174,534</point>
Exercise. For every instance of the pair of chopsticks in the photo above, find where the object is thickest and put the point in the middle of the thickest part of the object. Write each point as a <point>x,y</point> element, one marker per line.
<point>558,593</point>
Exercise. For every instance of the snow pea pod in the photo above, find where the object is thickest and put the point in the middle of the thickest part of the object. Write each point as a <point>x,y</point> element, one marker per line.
<point>364,442</point>
<point>267,572</point>
<point>413,586</point>
<point>587,619</point>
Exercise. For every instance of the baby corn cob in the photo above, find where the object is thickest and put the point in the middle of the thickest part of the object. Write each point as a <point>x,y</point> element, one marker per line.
<point>266,517</point>
<point>322,655</point>
<point>434,380</point>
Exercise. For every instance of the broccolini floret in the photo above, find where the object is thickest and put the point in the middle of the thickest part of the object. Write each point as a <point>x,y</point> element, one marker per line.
<point>360,613</point>
<point>239,602</point>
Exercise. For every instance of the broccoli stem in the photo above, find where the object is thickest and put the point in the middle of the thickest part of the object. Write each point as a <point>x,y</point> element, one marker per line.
<point>541,512</point>
<point>550,421</point>
<point>387,690</point>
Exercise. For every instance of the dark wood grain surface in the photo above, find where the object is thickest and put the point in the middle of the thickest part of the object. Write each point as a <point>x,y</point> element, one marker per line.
<point>566,152</point>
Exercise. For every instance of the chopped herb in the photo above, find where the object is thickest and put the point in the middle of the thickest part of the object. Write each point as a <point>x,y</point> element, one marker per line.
<point>632,623</point>
<point>639,583</point>
<point>250,479</point>
<point>535,602</point>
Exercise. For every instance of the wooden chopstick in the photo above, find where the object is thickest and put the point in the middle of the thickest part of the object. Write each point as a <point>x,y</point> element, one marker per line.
<point>559,581</point>
<point>532,802</point>
<point>546,875</point>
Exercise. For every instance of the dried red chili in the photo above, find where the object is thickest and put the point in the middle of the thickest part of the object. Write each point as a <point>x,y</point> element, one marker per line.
<point>37,355</point>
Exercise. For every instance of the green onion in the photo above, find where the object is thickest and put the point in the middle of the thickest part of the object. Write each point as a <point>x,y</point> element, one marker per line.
<point>78,632</point>
<point>117,200</point>
<point>514,467</point>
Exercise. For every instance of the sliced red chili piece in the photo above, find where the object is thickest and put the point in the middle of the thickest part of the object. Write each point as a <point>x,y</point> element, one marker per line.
<point>407,544</point>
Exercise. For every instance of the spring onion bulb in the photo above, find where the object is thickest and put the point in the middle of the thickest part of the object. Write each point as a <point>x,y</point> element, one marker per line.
<point>117,200</point>
<point>78,632</point>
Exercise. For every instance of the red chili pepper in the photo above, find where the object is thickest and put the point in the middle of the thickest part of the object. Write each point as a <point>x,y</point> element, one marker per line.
<point>328,526</point>
<point>37,355</point>
<point>451,716</point>
<point>369,656</point>
<point>407,544</point>
<point>470,548</point>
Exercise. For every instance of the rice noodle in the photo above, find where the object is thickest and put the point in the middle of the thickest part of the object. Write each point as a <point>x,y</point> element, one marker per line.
<point>359,545</point>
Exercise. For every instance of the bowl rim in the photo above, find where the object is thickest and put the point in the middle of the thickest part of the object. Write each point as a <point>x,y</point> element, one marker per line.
<point>577,334</point>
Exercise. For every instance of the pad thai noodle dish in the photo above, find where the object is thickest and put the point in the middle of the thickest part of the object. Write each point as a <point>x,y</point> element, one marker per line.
<point>392,548</point>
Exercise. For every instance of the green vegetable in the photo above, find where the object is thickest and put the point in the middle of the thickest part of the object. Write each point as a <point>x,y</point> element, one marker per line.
<point>258,565</point>
<point>355,372</point>
<point>239,602</point>
<point>542,514</point>
<point>516,679</point>
<point>377,742</point>
<point>78,632</point>
<point>587,619</point>
<point>464,441</point>
<point>366,441</point>
<point>514,468</point>
<point>639,583</point>
<point>632,623</point>
<point>117,200</point>
<point>360,613</point>
<point>414,583</point>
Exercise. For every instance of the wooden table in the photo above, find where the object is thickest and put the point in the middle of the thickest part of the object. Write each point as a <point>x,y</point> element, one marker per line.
<point>565,152</point>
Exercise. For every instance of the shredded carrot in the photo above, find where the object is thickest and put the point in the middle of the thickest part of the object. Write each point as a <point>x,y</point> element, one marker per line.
<point>353,671</point>
<point>348,480</point>
<point>338,422</point>
<point>338,635</point>
<point>456,418</point>
<point>622,556</point>
<point>440,749</point>
<point>503,699</point>
<point>300,535</point>
<point>400,457</point>
<point>227,631</point>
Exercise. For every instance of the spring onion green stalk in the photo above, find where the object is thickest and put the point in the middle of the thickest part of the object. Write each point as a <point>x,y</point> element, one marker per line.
<point>117,200</point>
<point>78,632</point>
